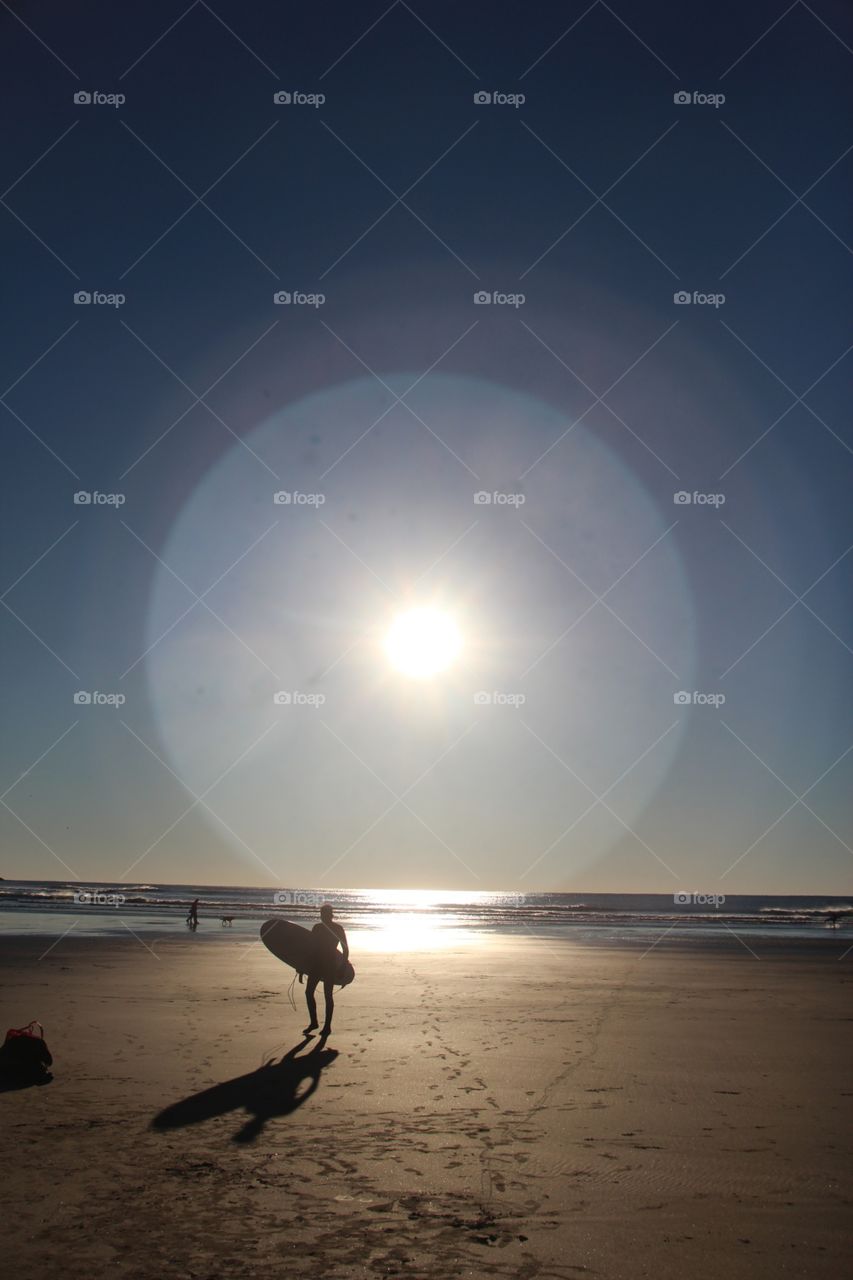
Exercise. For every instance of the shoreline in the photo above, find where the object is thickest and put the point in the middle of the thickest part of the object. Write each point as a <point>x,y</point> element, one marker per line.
<point>683,935</point>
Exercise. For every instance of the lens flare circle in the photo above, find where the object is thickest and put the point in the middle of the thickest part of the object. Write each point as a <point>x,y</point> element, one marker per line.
<point>311,597</point>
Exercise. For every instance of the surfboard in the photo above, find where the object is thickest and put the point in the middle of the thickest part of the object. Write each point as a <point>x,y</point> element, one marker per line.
<point>296,946</point>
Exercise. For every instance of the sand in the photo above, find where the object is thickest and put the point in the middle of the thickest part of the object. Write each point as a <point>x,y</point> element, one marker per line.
<point>509,1108</point>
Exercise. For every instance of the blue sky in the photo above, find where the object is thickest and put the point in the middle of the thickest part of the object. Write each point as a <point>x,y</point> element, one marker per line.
<point>582,398</point>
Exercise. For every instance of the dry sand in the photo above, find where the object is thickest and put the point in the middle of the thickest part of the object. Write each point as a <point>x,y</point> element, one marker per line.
<point>511,1108</point>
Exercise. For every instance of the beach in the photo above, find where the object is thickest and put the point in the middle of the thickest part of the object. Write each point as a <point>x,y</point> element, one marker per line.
<point>506,1106</point>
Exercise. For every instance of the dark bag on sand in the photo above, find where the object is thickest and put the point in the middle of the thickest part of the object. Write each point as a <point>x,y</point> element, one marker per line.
<point>24,1053</point>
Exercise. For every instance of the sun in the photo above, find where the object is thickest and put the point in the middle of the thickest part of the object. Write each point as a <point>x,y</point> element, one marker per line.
<point>422,642</point>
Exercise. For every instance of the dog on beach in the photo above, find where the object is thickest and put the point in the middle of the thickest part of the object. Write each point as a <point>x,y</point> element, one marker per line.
<point>229,920</point>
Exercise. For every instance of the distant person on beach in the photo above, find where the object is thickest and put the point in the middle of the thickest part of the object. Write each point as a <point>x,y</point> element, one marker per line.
<point>328,934</point>
<point>192,918</point>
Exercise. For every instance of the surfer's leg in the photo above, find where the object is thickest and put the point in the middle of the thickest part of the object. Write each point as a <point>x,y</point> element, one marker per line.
<point>329,993</point>
<point>310,988</point>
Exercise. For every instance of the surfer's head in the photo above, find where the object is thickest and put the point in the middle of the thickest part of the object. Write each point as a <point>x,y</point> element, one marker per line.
<point>326,912</point>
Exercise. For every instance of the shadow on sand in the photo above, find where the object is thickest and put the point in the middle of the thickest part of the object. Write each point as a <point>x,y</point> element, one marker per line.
<point>9,1081</point>
<point>273,1090</point>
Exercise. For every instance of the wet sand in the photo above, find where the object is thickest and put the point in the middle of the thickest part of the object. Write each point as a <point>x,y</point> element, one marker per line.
<point>513,1108</point>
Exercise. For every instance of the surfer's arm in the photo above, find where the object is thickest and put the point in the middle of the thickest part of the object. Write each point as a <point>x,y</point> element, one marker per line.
<point>344,944</point>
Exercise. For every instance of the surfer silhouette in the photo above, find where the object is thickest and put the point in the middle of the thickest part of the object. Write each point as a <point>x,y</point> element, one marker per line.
<point>327,934</point>
<point>192,918</point>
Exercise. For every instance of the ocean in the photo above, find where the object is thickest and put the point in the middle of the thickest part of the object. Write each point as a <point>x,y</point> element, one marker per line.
<point>53,906</point>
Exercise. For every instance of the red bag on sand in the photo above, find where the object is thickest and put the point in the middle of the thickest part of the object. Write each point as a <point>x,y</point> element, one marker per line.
<point>24,1052</point>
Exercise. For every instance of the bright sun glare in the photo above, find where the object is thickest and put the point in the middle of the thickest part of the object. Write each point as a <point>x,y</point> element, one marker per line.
<point>422,642</point>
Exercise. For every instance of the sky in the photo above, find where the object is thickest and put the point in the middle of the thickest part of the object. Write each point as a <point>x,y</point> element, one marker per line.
<point>537,317</point>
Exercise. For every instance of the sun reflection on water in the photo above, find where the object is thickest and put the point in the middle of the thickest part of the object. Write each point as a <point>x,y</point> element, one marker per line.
<point>424,926</point>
